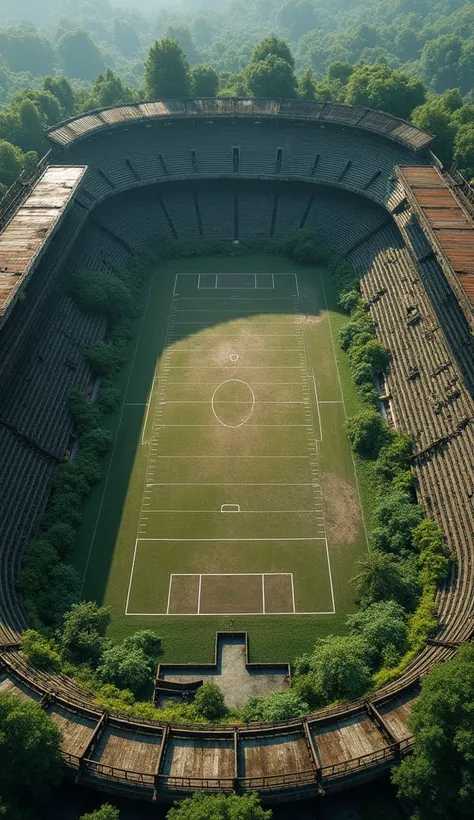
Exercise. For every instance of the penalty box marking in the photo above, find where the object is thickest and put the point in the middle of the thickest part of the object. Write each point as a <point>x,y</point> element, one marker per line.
<point>201,540</point>
<point>201,575</point>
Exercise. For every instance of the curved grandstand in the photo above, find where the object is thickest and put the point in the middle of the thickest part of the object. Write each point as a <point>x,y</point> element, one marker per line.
<point>113,181</point>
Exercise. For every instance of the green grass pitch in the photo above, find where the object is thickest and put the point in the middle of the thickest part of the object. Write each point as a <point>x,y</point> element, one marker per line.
<point>230,500</point>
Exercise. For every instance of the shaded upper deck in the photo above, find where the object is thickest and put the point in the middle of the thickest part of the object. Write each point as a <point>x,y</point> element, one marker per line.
<point>324,112</point>
<point>28,232</point>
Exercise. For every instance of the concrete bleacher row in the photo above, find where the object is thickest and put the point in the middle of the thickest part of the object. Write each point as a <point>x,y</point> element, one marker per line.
<point>193,149</point>
<point>137,217</point>
<point>237,108</point>
<point>431,401</point>
<point>41,360</point>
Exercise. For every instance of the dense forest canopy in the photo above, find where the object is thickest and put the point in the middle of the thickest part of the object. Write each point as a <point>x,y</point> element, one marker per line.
<point>433,40</point>
<point>411,58</point>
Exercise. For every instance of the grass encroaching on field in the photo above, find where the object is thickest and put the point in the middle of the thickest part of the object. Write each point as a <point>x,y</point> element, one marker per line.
<point>106,541</point>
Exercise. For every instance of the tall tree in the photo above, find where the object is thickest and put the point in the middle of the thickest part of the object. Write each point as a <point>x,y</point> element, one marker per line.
<point>219,807</point>
<point>106,812</point>
<point>63,92</point>
<point>30,755</point>
<point>204,81</point>
<point>31,128</point>
<point>464,150</point>
<point>307,85</point>
<point>439,775</point>
<point>271,77</point>
<point>166,71</point>
<point>11,163</point>
<point>272,47</point>
<point>80,57</point>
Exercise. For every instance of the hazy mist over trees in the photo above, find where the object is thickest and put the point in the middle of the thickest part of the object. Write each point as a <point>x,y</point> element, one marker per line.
<point>412,58</point>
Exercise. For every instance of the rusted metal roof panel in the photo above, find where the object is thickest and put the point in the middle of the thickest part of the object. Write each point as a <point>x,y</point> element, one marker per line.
<point>467,281</point>
<point>447,218</point>
<point>31,227</point>
<point>423,176</point>
<point>448,224</point>
<point>435,198</point>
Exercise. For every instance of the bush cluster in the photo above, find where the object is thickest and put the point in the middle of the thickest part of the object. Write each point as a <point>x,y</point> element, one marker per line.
<point>80,647</point>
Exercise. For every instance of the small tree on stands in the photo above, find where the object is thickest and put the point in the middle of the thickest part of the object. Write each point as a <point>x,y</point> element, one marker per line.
<point>209,702</point>
<point>367,433</point>
<point>439,775</point>
<point>166,70</point>
<point>106,812</point>
<point>219,807</point>
<point>30,754</point>
<point>204,81</point>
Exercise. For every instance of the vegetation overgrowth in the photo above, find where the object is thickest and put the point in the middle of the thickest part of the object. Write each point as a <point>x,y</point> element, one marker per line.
<point>396,583</point>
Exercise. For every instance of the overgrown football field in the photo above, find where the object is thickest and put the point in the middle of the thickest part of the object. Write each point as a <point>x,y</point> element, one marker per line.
<point>230,499</point>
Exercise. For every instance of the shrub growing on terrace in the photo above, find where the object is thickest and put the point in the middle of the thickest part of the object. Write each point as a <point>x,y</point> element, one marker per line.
<point>275,707</point>
<point>384,628</point>
<point>41,651</point>
<point>209,702</point>
<point>83,631</point>
<point>102,293</point>
<point>382,577</point>
<point>367,433</point>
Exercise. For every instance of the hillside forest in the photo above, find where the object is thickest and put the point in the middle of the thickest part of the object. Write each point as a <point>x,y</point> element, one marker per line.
<point>412,58</point>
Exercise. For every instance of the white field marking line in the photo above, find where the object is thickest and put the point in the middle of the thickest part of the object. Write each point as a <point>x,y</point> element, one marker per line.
<point>330,577</point>
<point>242,512</point>
<point>232,367</point>
<point>242,350</point>
<point>150,395</point>
<point>303,332</point>
<point>345,413</point>
<point>131,577</point>
<point>244,298</point>
<point>293,592</point>
<point>227,456</point>
<point>106,483</point>
<point>237,273</point>
<point>331,402</point>
<point>297,285</point>
<point>227,484</point>
<point>226,574</point>
<point>188,540</point>
<point>228,310</point>
<point>233,426</point>
<point>317,407</point>
<point>213,426</point>
<point>142,504</point>
<point>219,614</point>
<point>199,595</point>
<point>263,594</point>
<point>169,595</point>
<point>266,384</point>
<point>199,401</point>
<point>265,324</point>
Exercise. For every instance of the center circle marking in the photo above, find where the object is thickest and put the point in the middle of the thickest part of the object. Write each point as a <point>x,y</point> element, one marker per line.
<point>228,381</point>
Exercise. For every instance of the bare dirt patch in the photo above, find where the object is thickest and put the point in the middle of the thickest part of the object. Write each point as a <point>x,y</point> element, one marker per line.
<point>222,594</point>
<point>306,319</point>
<point>278,594</point>
<point>184,595</point>
<point>342,510</point>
